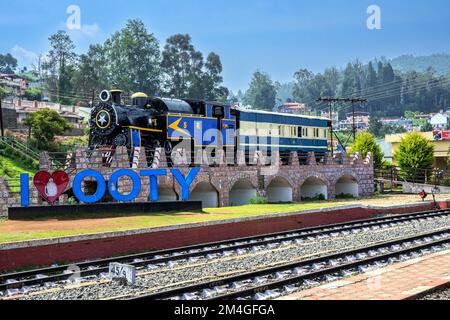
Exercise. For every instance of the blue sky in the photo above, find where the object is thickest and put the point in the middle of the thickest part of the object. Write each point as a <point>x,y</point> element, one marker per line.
<point>278,37</point>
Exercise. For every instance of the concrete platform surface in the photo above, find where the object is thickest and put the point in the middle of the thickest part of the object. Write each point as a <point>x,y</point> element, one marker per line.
<point>396,282</point>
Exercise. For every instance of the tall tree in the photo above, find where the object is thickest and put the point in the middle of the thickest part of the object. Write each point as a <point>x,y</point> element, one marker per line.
<point>92,71</point>
<point>181,65</point>
<point>348,83</point>
<point>262,92</point>
<point>59,65</point>
<point>212,79</point>
<point>134,58</point>
<point>371,75</point>
<point>186,74</point>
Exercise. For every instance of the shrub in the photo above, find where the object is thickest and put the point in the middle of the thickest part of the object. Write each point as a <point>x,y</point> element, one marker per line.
<point>366,142</point>
<point>344,196</point>
<point>318,197</point>
<point>259,200</point>
<point>414,152</point>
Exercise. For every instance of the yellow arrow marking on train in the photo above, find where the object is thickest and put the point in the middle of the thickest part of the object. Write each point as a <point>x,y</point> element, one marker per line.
<point>175,126</point>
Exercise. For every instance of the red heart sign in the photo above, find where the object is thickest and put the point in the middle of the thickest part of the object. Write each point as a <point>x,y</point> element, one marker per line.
<point>51,186</point>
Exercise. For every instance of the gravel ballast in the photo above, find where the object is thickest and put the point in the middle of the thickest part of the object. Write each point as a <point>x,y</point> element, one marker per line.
<point>180,273</point>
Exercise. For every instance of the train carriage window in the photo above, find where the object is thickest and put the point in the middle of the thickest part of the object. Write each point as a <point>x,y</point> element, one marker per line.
<point>299,132</point>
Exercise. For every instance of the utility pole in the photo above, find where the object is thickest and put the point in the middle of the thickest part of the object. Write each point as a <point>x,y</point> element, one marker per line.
<point>331,101</point>
<point>1,119</point>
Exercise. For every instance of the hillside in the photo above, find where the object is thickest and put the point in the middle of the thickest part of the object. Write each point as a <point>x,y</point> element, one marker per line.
<point>12,164</point>
<point>439,62</point>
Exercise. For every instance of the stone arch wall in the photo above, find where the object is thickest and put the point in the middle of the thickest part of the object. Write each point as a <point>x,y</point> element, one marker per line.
<point>221,177</point>
<point>206,192</point>
<point>241,192</point>
<point>280,189</point>
<point>307,190</point>
<point>347,185</point>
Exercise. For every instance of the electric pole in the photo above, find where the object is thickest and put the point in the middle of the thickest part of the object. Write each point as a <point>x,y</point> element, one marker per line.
<point>331,102</point>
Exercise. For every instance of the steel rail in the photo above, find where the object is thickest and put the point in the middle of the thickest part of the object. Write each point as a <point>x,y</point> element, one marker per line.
<point>95,267</point>
<point>173,293</point>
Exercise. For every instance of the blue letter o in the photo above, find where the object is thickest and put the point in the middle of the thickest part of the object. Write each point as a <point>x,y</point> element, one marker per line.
<point>135,189</point>
<point>101,186</point>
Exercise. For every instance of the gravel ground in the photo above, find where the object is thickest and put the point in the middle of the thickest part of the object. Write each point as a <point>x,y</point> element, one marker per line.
<point>164,276</point>
<point>442,294</point>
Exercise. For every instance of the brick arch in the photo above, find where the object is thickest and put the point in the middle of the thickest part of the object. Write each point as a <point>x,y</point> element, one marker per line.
<point>316,175</point>
<point>350,175</point>
<point>344,174</point>
<point>282,175</point>
<point>247,177</point>
<point>243,195</point>
<point>280,193</point>
<point>176,188</point>
<point>199,181</point>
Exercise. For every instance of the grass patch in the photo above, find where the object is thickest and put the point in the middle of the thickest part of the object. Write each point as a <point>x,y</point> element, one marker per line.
<point>13,231</point>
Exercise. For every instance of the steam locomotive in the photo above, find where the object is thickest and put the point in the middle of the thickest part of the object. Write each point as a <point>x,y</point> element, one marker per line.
<point>156,122</point>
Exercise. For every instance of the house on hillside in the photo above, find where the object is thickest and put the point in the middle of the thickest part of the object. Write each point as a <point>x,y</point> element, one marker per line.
<point>440,120</point>
<point>13,84</point>
<point>361,121</point>
<point>292,107</point>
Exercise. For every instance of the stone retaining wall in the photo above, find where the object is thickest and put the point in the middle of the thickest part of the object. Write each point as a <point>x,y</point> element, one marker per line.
<point>220,176</point>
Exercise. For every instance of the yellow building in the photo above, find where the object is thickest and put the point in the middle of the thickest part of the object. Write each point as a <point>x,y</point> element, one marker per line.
<point>441,147</point>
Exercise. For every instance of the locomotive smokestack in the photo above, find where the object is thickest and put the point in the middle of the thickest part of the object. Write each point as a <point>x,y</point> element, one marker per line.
<point>116,96</point>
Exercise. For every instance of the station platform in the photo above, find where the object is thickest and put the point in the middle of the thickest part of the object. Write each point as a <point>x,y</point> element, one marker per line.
<point>400,281</point>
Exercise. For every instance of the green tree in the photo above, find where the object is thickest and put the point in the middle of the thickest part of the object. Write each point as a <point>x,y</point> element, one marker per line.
<point>376,127</point>
<point>427,127</point>
<point>33,94</point>
<point>371,76</point>
<point>3,93</point>
<point>349,84</point>
<point>212,79</point>
<point>182,67</point>
<point>262,92</point>
<point>45,124</point>
<point>414,152</point>
<point>134,59</point>
<point>302,78</point>
<point>366,142</point>
<point>8,63</point>
<point>92,71</point>
<point>59,66</point>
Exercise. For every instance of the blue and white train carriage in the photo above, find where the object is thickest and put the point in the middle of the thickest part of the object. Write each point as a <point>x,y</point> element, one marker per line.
<point>267,131</point>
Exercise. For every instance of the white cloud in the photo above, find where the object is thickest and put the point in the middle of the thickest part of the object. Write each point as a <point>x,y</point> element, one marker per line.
<point>24,56</point>
<point>86,31</point>
<point>90,30</point>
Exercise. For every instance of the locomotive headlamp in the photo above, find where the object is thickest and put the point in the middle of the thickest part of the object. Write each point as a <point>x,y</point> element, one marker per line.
<point>105,95</point>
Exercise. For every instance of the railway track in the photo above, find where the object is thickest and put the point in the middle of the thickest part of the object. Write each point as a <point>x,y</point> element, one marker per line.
<point>211,250</point>
<point>280,280</point>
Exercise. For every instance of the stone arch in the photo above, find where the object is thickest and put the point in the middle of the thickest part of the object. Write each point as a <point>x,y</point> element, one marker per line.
<point>167,193</point>
<point>207,193</point>
<point>314,186</point>
<point>347,185</point>
<point>241,192</point>
<point>279,190</point>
